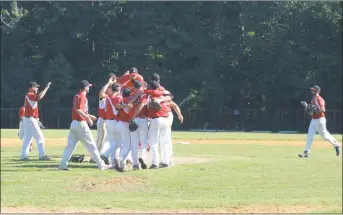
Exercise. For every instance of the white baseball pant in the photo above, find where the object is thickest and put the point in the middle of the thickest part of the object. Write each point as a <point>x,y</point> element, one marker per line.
<point>32,129</point>
<point>158,135</point>
<point>319,125</point>
<point>170,124</point>
<point>101,135</point>
<point>124,141</point>
<point>112,134</point>
<point>21,130</point>
<point>140,135</point>
<point>79,131</point>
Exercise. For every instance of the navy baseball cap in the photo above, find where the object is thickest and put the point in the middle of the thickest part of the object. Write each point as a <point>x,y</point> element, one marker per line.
<point>33,84</point>
<point>126,92</point>
<point>137,84</point>
<point>154,85</point>
<point>84,84</point>
<point>315,88</point>
<point>155,77</point>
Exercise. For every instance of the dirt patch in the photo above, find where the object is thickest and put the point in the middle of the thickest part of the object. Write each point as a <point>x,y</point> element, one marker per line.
<point>248,209</point>
<point>63,141</point>
<point>117,184</point>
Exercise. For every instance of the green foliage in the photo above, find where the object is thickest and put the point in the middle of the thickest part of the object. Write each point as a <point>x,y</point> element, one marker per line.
<point>230,54</point>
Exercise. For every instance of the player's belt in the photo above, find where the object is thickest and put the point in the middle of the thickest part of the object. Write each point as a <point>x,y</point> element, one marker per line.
<point>30,117</point>
<point>159,117</point>
<point>142,117</point>
<point>110,119</point>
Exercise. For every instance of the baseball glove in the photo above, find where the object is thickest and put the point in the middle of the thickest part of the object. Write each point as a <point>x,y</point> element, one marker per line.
<point>77,158</point>
<point>310,109</point>
<point>154,105</point>
<point>133,126</point>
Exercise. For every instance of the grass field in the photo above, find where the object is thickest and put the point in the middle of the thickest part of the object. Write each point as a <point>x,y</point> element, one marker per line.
<point>216,172</point>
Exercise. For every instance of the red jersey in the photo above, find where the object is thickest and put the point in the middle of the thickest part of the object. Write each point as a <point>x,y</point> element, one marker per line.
<point>102,109</point>
<point>21,112</point>
<point>164,112</point>
<point>80,101</point>
<point>112,112</point>
<point>31,105</point>
<point>144,112</point>
<point>123,113</point>
<point>319,102</point>
<point>125,80</point>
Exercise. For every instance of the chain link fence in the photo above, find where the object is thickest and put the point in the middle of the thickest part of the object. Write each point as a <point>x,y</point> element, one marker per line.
<point>228,119</point>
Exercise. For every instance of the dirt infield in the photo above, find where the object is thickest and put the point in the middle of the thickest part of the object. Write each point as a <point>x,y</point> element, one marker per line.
<point>62,141</point>
<point>247,209</point>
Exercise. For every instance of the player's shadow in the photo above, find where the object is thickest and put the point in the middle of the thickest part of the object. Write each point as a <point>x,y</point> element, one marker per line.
<point>50,167</point>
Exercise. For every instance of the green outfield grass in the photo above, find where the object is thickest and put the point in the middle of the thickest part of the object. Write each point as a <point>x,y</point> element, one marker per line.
<point>236,176</point>
<point>179,135</point>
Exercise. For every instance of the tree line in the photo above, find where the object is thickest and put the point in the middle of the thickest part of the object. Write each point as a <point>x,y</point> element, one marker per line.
<point>218,55</point>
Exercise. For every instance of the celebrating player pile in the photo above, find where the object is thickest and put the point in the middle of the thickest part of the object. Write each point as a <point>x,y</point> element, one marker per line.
<point>132,114</point>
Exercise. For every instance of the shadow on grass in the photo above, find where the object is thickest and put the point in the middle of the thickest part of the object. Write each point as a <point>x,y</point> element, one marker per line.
<point>28,167</point>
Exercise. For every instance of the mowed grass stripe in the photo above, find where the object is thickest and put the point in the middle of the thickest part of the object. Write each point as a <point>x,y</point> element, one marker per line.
<point>184,135</point>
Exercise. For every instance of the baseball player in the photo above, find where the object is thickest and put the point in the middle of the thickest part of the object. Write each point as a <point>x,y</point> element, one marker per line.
<point>80,131</point>
<point>123,133</point>
<point>318,124</point>
<point>156,77</point>
<point>139,114</point>
<point>31,122</point>
<point>127,79</point>
<point>113,104</point>
<point>21,126</point>
<point>158,130</point>
<point>101,137</point>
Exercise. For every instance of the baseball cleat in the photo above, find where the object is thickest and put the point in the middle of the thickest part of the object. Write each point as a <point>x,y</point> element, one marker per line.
<point>45,158</point>
<point>153,166</point>
<point>105,159</point>
<point>338,151</point>
<point>163,165</point>
<point>304,155</point>
<point>135,167</point>
<point>24,159</point>
<point>143,165</point>
<point>106,167</point>
<point>63,168</point>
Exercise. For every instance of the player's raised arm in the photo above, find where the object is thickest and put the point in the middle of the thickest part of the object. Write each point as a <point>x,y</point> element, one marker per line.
<point>42,94</point>
<point>104,88</point>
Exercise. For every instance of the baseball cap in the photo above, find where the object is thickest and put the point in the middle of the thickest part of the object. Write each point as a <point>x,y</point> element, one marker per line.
<point>155,77</point>
<point>137,84</point>
<point>154,85</point>
<point>33,84</point>
<point>133,70</point>
<point>115,87</point>
<point>84,84</point>
<point>315,88</point>
<point>126,92</point>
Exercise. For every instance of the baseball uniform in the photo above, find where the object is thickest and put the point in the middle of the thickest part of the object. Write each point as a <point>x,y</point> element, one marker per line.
<point>111,127</point>
<point>141,134</point>
<point>123,132</point>
<point>125,80</point>
<point>31,126</point>
<point>101,137</point>
<point>80,131</point>
<point>158,133</point>
<point>318,124</point>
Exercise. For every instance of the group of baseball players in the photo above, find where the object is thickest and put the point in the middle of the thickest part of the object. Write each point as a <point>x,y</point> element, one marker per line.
<point>134,117</point>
